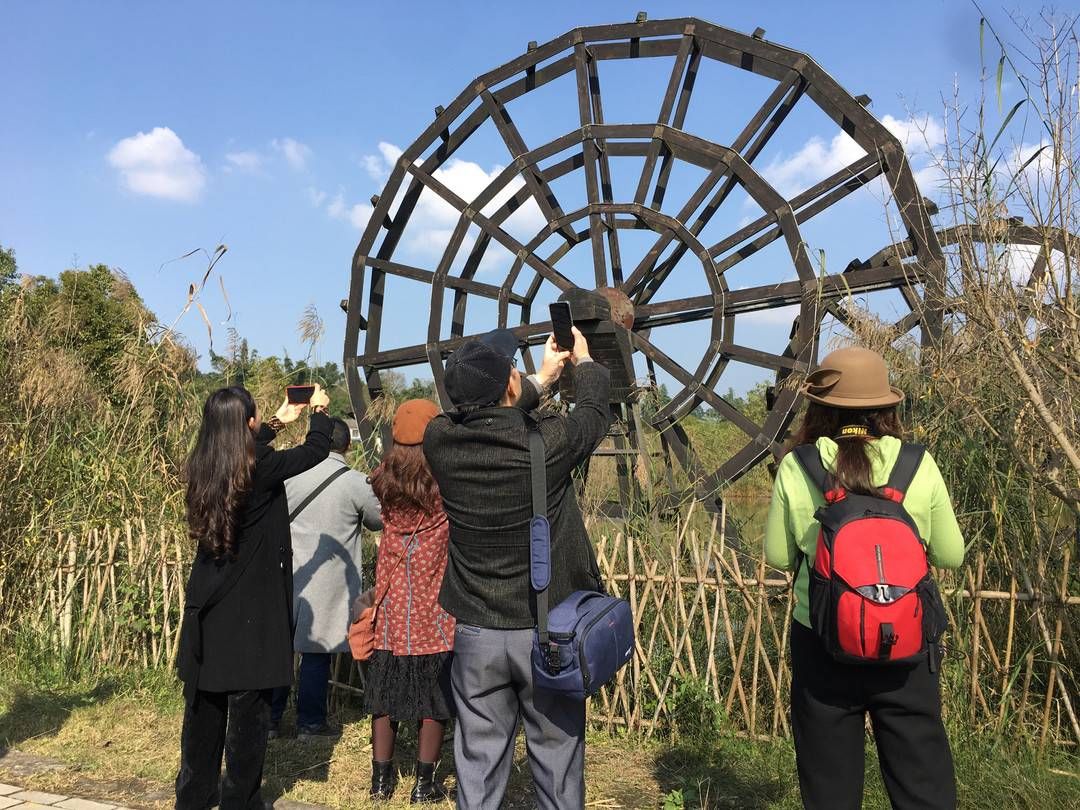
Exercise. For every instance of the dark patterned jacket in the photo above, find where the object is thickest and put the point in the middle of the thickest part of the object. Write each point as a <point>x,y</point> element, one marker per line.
<point>481,463</point>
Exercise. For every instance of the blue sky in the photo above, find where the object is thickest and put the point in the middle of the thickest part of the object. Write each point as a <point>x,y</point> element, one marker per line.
<point>135,133</point>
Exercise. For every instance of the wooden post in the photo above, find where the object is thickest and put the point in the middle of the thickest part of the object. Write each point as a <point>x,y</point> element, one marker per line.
<point>1055,652</point>
<point>1007,663</point>
<point>631,567</point>
<point>67,595</point>
<point>975,638</point>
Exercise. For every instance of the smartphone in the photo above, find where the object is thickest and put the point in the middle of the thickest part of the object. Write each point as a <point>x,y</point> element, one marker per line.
<point>561,322</point>
<point>299,394</point>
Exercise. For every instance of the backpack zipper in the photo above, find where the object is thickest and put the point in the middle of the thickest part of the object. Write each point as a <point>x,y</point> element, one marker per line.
<point>883,587</point>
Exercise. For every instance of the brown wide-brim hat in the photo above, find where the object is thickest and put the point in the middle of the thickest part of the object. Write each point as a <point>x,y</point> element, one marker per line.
<point>852,378</point>
<point>411,419</point>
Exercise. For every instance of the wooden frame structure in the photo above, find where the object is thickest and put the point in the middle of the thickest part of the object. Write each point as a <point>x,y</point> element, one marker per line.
<point>660,144</point>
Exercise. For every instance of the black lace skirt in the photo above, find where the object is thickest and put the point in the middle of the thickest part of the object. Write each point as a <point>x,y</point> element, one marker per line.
<point>409,687</point>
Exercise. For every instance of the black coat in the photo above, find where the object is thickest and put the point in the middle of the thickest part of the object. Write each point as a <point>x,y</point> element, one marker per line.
<point>237,625</point>
<point>481,463</point>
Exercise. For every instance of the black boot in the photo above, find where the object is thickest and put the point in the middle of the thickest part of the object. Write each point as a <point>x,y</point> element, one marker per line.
<point>382,779</point>
<point>426,791</point>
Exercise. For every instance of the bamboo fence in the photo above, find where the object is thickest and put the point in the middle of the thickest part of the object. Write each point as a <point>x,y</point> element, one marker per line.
<point>708,614</point>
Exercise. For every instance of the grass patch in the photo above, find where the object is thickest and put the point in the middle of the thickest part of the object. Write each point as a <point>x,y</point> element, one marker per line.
<point>124,729</point>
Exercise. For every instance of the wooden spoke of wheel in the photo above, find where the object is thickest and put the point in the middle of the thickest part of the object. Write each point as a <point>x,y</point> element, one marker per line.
<point>775,109</point>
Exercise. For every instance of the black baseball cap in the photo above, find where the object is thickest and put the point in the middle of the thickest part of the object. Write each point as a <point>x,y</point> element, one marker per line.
<point>478,372</point>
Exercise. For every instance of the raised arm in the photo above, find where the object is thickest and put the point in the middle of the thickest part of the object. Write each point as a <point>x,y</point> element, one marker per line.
<point>277,465</point>
<point>274,467</point>
<point>578,434</point>
<point>534,386</point>
<point>590,419</point>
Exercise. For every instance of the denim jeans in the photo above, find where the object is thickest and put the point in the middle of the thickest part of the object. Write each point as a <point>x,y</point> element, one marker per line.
<point>311,688</point>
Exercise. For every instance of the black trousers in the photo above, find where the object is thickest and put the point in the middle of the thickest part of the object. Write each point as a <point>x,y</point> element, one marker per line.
<point>829,703</point>
<point>233,724</point>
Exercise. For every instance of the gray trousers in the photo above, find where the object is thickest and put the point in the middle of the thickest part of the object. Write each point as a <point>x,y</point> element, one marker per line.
<point>493,687</point>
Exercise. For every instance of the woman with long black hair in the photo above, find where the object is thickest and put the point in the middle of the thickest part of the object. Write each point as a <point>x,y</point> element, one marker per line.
<point>236,637</point>
<point>853,434</point>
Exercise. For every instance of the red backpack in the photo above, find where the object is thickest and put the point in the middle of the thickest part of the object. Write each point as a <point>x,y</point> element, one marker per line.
<point>872,598</point>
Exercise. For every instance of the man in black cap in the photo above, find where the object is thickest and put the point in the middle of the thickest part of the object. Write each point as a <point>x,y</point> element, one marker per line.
<point>480,458</point>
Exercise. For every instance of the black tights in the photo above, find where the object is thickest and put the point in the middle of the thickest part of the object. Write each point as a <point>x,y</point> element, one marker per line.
<point>429,736</point>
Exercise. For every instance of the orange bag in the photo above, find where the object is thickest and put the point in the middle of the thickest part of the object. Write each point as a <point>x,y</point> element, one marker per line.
<point>362,635</point>
<point>366,611</point>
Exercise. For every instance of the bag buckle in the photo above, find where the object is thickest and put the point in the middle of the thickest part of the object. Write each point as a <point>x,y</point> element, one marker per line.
<point>884,597</point>
<point>554,661</point>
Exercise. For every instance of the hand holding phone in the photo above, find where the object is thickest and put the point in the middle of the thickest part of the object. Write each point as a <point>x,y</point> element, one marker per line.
<point>552,365</point>
<point>562,325</point>
<point>581,347</point>
<point>299,394</point>
<point>320,399</point>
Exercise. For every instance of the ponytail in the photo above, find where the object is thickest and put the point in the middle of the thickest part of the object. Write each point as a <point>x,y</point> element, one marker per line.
<point>854,432</point>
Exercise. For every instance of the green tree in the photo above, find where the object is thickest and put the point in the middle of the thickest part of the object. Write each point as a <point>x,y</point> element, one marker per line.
<point>8,268</point>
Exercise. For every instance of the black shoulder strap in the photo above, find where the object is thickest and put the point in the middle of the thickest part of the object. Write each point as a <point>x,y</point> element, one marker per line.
<point>907,464</point>
<point>538,469</point>
<point>810,460</point>
<point>317,492</point>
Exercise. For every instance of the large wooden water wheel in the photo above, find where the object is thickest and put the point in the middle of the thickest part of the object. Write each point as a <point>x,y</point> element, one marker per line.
<point>495,266</point>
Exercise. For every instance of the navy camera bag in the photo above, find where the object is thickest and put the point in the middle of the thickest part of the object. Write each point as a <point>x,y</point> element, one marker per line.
<point>588,637</point>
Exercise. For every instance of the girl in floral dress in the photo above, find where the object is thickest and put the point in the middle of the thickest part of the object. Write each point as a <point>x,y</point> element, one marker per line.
<point>409,672</point>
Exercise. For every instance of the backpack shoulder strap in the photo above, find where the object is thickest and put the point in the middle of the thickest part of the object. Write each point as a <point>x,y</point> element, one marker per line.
<point>906,466</point>
<point>315,493</point>
<point>539,529</point>
<point>810,460</point>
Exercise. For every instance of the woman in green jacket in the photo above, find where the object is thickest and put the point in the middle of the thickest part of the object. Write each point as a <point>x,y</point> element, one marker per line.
<point>852,420</point>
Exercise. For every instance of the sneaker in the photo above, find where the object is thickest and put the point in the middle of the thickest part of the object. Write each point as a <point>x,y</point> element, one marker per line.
<point>319,732</point>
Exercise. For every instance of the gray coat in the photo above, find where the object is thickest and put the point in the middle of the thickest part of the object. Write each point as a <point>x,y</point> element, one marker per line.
<point>326,553</point>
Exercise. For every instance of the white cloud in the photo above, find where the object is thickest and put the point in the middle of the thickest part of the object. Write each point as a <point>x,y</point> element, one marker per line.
<point>378,166</point>
<point>1020,261</point>
<point>243,161</point>
<point>1033,166</point>
<point>356,215</point>
<point>316,196</point>
<point>359,215</point>
<point>336,209</point>
<point>295,153</point>
<point>157,164</point>
<point>777,316</point>
<point>373,165</point>
<point>390,153</point>
<point>816,160</point>
<point>433,220</point>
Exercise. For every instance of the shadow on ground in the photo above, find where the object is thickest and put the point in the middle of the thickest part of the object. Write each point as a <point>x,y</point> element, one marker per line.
<point>705,776</point>
<point>30,712</point>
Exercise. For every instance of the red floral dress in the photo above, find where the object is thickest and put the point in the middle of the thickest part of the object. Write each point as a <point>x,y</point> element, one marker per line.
<point>412,557</point>
<point>409,673</point>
